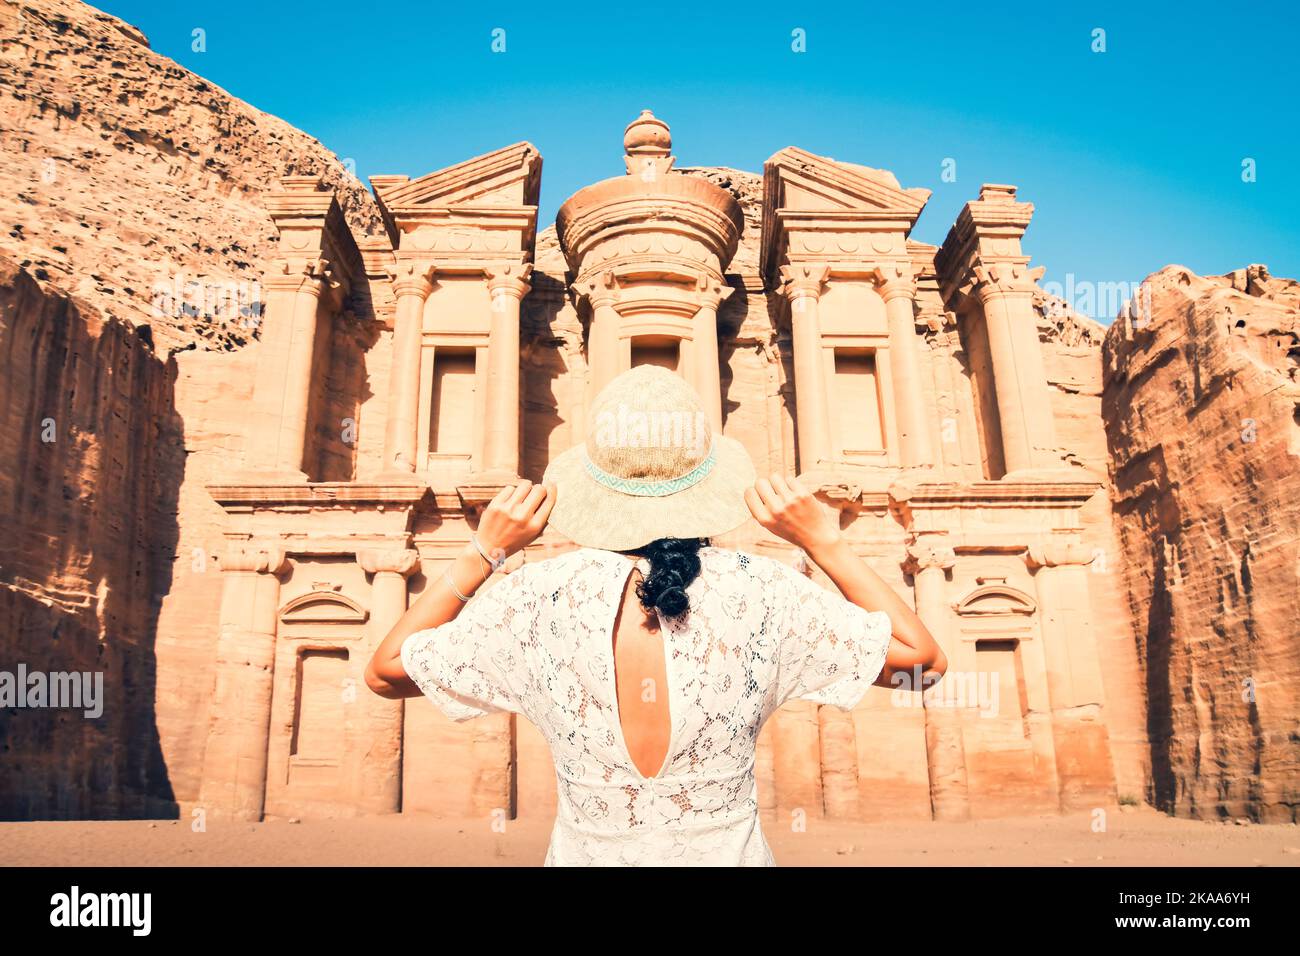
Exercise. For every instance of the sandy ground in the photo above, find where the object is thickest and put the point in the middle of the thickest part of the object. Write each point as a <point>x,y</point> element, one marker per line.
<point>1134,837</point>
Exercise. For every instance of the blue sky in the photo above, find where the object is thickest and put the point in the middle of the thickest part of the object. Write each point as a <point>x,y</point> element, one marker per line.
<point>1132,157</point>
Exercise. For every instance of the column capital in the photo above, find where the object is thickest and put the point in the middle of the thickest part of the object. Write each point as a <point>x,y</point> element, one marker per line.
<point>802,280</point>
<point>314,276</point>
<point>600,289</point>
<point>254,558</point>
<point>711,292</point>
<point>509,278</point>
<point>991,279</point>
<point>922,556</point>
<point>896,280</point>
<point>1054,554</point>
<point>401,561</point>
<point>412,277</point>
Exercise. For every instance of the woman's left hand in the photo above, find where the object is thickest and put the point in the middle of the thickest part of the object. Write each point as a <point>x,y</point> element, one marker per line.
<point>514,518</point>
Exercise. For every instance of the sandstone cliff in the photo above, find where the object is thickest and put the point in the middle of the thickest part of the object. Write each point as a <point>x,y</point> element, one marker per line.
<point>91,459</point>
<point>1202,409</point>
<point>137,185</point>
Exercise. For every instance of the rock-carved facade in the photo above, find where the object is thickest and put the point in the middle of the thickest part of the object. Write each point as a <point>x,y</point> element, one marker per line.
<point>403,378</point>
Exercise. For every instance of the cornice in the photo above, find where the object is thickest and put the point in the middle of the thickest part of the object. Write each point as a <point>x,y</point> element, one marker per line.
<point>347,493</point>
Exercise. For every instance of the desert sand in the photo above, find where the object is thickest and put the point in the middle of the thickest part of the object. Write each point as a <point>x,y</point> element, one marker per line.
<point>1134,837</point>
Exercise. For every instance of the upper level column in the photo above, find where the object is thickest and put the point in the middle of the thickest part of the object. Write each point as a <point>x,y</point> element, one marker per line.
<point>802,285</point>
<point>604,358</point>
<point>307,282</point>
<point>986,279</point>
<point>708,369</point>
<point>507,286</point>
<point>412,283</point>
<point>896,283</point>
<point>1005,294</point>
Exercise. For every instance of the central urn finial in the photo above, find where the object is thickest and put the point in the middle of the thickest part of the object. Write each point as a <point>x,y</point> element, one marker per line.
<point>648,145</point>
<point>655,222</point>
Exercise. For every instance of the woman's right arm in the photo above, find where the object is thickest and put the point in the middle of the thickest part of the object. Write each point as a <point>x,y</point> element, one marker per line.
<point>787,509</point>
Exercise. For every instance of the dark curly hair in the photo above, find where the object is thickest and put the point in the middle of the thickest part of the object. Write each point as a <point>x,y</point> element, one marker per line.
<point>674,564</point>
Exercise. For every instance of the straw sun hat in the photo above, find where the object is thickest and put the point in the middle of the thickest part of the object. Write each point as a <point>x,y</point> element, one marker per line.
<point>651,467</point>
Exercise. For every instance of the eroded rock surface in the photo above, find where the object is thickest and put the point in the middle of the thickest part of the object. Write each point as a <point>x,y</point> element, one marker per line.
<point>1202,411</point>
<point>136,184</point>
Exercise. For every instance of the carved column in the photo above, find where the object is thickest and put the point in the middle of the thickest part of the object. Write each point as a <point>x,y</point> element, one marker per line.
<point>956,448</point>
<point>234,764</point>
<point>381,765</point>
<point>507,286</point>
<point>604,359</point>
<point>283,389</point>
<point>897,286</point>
<point>708,368</point>
<point>946,750</point>
<point>1085,774</point>
<point>298,374</point>
<point>412,283</point>
<point>803,287</point>
<point>1019,379</point>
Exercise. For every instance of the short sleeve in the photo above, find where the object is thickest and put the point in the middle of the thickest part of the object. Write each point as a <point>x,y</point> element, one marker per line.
<point>831,650</point>
<point>475,664</point>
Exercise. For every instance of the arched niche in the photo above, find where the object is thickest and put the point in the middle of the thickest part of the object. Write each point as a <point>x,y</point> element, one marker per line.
<point>323,607</point>
<point>989,600</point>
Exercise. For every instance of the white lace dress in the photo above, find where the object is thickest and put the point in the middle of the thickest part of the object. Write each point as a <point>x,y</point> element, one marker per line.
<point>540,643</point>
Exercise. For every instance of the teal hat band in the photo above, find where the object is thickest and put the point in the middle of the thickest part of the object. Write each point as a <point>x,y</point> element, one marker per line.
<point>642,487</point>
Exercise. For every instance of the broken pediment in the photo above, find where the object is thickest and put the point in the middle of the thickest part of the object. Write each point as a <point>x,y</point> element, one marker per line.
<point>507,177</point>
<point>817,209</point>
<point>496,192</point>
<point>796,180</point>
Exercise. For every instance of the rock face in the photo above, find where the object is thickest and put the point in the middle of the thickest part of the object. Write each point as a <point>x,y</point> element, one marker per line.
<point>137,185</point>
<point>88,490</point>
<point>1202,411</point>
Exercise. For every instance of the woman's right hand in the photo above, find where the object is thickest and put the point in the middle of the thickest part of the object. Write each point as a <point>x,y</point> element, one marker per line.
<point>790,511</point>
<point>515,517</point>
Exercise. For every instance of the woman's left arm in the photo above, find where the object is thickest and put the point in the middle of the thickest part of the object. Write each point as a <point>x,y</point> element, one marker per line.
<point>515,517</point>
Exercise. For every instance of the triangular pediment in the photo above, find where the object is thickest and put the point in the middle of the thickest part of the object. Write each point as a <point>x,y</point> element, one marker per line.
<point>800,181</point>
<point>510,176</point>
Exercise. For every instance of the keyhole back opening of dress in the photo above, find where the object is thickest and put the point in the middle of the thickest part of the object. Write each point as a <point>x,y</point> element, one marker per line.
<point>641,684</point>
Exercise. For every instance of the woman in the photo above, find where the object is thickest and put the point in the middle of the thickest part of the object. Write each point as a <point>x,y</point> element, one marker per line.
<point>647,658</point>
